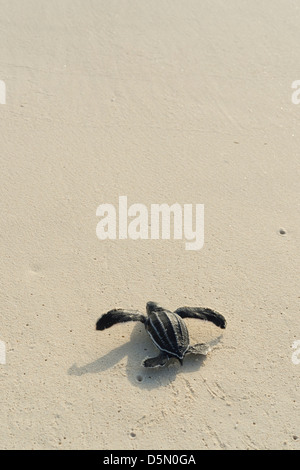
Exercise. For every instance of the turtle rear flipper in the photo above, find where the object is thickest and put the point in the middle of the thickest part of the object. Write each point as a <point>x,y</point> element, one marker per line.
<point>118,316</point>
<point>201,348</point>
<point>158,361</point>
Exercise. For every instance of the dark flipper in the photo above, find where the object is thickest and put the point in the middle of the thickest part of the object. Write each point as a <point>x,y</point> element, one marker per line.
<point>158,361</point>
<point>118,316</point>
<point>202,314</point>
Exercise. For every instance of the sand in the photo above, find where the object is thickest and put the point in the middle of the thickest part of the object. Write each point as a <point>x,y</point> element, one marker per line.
<point>162,102</point>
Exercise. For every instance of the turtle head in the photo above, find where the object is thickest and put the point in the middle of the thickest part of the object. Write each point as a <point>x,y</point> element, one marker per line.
<point>152,307</point>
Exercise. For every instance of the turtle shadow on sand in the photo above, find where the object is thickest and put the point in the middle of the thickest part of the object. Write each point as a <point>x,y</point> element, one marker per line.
<point>130,355</point>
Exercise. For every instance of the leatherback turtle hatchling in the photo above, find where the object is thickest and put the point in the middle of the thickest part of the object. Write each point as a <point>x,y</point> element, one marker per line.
<point>167,329</point>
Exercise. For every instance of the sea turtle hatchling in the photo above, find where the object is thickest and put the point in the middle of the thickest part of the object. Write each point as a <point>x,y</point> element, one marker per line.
<point>167,329</point>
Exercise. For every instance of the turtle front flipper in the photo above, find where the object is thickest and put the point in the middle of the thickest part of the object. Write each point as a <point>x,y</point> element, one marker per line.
<point>202,314</point>
<point>158,361</point>
<point>118,316</point>
<point>201,348</point>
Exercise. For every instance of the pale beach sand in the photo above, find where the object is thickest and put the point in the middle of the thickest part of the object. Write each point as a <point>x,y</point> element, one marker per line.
<point>162,101</point>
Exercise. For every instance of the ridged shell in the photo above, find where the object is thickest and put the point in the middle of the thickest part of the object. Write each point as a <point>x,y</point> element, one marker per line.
<point>168,332</point>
